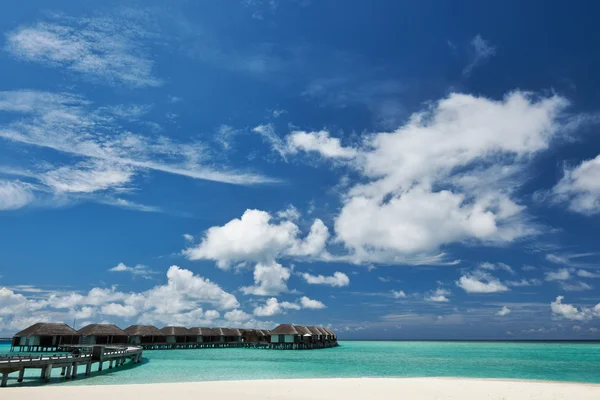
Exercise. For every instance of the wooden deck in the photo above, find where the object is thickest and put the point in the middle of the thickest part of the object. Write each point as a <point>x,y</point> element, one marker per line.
<point>115,355</point>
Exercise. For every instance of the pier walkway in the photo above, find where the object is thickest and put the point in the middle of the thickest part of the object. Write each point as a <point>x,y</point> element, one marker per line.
<point>88,355</point>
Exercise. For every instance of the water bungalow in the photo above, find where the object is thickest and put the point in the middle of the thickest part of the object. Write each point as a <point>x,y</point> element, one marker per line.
<point>177,335</point>
<point>102,334</point>
<point>256,336</point>
<point>147,336</point>
<point>61,337</point>
<point>44,336</point>
<point>298,337</point>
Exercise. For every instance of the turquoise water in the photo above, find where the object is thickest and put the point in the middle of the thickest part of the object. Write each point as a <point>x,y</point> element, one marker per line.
<point>576,362</point>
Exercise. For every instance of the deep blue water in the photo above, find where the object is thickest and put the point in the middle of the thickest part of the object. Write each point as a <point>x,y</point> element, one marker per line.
<point>576,362</point>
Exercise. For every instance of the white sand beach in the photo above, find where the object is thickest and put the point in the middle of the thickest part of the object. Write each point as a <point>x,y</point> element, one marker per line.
<point>321,389</point>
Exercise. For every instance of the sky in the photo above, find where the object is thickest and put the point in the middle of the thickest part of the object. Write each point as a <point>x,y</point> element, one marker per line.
<point>389,169</point>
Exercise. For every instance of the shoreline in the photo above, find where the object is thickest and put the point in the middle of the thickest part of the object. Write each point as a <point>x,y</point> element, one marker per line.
<point>429,388</point>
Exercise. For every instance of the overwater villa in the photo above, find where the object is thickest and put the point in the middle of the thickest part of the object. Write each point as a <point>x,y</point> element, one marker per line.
<point>53,337</point>
<point>298,337</point>
<point>146,336</point>
<point>102,334</point>
<point>177,335</point>
<point>45,336</point>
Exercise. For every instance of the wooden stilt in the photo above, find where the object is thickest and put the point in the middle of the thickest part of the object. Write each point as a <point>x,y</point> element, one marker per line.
<point>62,371</point>
<point>68,373</point>
<point>48,373</point>
<point>100,366</point>
<point>74,371</point>
<point>21,373</point>
<point>4,379</point>
<point>88,369</point>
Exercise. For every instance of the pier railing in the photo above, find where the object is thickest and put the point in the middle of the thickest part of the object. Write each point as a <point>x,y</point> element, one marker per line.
<point>114,355</point>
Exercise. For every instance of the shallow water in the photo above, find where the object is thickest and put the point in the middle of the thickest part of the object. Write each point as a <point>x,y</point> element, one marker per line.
<point>576,362</point>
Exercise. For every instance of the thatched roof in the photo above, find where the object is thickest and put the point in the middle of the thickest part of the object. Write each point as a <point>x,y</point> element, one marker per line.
<point>329,331</point>
<point>198,331</point>
<point>303,330</point>
<point>231,332</point>
<point>323,331</point>
<point>48,329</point>
<point>101,330</point>
<point>175,331</point>
<point>314,330</point>
<point>284,329</point>
<point>143,330</point>
<point>212,332</point>
<point>264,332</point>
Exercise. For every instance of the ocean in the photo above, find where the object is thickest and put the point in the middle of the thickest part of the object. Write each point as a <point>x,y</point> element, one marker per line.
<point>574,362</point>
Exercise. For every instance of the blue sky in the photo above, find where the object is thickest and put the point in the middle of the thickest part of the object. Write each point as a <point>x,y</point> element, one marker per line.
<point>389,169</point>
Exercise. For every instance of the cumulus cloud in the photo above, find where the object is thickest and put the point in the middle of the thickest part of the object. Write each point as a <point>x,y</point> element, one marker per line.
<point>311,304</point>
<point>398,294</point>
<point>179,301</point>
<point>579,188</point>
<point>462,186</point>
<point>273,307</point>
<point>258,238</point>
<point>503,311</point>
<point>270,280</point>
<point>318,142</point>
<point>481,282</point>
<point>438,296</point>
<point>573,313</point>
<point>255,237</point>
<point>587,274</point>
<point>339,279</point>
<point>236,316</point>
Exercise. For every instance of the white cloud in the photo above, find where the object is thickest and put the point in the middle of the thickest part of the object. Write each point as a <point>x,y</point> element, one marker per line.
<point>399,294</point>
<point>575,286</point>
<point>587,274</point>
<point>139,270</point>
<point>188,237</point>
<point>524,282</point>
<point>462,186</point>
<point>291,213</point>
<point>319,142</point>
<point>118,310</point>
<point>339,279</point>
<point>580,188</point>
<point>236,316</point>
<point>481,282</point>
<point>438,296</point>
<point>560,275</point>
<point>88,177</point>
<point>255,238</point>
<point>311,304</point>
<point>273,307</point>
<point>112,156</point>
<point>14,195</point>
<point>497,266</point>
<point>571,312</point>
<point>100,49</point>
<point>270,280</point>
<point>268,134</point>
<point>481,51</point>
<point>503,311</point>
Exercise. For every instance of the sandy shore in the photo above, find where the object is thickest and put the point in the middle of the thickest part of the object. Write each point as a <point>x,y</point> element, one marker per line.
<point>320,389</point>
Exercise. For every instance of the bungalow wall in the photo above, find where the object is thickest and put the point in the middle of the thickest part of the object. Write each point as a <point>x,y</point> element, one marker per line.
<point>284,338</point>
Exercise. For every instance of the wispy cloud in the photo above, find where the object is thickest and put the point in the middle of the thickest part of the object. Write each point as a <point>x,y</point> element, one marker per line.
<point>109,50</point>
<point>137,271</point>
<point>481,51</point>
<point>70,124</point>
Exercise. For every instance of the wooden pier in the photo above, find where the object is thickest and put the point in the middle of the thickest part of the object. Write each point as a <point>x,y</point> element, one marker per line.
<point>87,356</point>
